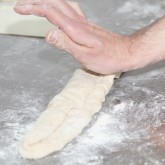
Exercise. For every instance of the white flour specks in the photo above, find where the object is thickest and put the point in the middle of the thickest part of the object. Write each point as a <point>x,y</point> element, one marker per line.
<point>135,6</point>
<point>121,128</point>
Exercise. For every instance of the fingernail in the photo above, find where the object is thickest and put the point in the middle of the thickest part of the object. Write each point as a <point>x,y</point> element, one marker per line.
<point>52,36</point>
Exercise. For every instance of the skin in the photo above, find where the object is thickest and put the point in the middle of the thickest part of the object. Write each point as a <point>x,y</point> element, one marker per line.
<point>98,49</point>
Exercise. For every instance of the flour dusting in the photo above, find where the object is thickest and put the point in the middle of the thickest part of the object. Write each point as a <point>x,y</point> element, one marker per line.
<point>129,129</point>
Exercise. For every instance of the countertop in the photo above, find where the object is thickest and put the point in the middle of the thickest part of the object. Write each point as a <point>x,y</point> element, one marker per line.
<point>129,129</point>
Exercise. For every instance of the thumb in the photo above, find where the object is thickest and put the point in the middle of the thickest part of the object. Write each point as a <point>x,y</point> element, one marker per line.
<point>58,39</point>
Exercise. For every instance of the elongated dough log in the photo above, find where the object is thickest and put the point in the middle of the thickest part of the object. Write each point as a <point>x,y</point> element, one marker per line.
<point>67,114</point>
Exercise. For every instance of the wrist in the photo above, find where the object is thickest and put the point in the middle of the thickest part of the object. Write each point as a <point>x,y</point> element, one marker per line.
<point>121,52</point>
<point>125,51</point>
<point>147,46</point>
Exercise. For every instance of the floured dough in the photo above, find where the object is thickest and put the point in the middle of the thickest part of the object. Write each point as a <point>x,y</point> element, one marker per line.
<point>67,114</point>
<point>16,24</point>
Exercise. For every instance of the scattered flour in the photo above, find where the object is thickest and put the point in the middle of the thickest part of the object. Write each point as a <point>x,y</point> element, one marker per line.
<point>121,134</point>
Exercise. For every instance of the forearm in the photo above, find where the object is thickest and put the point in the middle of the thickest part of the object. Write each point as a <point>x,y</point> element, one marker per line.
<point>148,44</point>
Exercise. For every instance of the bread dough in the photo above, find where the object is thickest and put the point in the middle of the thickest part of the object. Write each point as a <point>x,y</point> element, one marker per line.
<point>16,24</point>
<point>67,114</point>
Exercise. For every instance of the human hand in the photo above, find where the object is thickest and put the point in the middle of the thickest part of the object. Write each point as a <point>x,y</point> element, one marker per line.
<point>96,48</point>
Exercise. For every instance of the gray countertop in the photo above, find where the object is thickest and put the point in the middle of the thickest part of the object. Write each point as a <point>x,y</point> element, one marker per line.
<point>129,130</point>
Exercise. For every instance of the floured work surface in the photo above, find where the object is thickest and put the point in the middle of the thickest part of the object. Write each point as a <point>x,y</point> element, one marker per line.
<point>32,72</point>
<point>16,24</point>
<point>67,114</point>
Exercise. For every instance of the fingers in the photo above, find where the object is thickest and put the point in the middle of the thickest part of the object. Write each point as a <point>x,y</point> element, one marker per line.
<point>69,9</point>
<point>60,40</point>
<point>74,29</point>
<point>61,5</point>
<point>76,7</point>
<point>50,12</point>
